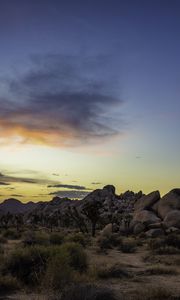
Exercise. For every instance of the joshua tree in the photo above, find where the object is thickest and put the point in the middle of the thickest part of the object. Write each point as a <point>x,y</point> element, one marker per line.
<point>91,210</point>
<point>19,221</point>
<point>77,218</point>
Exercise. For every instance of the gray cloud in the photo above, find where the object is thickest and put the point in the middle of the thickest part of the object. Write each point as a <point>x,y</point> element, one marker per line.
<point>7,180</point>
<point>63,100</point>
<point>70,194</point>
<point>4,183</point>
<point>68,186</point>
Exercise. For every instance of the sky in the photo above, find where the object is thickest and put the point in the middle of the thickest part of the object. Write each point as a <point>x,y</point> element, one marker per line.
<point>89,96</point>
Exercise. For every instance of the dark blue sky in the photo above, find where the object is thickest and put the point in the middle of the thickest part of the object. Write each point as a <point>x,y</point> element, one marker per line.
<point>83,71</point>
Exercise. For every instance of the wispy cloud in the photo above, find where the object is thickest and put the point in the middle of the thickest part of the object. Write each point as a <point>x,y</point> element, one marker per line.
<point>69,186</point>
<point>61,101</point>
<point>4,183</point>
<point>70,194</point>
<point>7,180</point>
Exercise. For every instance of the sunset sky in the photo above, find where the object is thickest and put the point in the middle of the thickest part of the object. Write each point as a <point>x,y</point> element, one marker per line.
<point>89,96</point>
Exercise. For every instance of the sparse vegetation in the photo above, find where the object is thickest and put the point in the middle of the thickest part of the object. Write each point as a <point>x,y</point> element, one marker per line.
<point>152,293</point>
<point>128,245</point>
<point>88,292</point>
<point>114,271</point>
<point>8,284</point>
<point>12,234</point>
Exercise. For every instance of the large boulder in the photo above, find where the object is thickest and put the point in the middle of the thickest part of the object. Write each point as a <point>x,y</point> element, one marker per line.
<point>169,202</point>
<point>172,219</point>
<point>101,195</point>
<point>109,188</point>
<point>107,230</point>
<point>147,201</point>
<point>153,233</point>
<point>146,217</point>
<point>138,228</point>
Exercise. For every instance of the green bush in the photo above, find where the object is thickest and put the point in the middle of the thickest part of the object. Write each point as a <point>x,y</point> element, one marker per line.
<point>160,270</point>
<point>153,293</point>
<point>8,284</point>
<point>41,238</point>
<point>128,246</point>
<point>87,292</point>
<point>164,245</point>
<point>115,271</point>
<point>12,234</point>
<point>56,238</point>
<point>173,240</point>
<point>109,241</point>
<point>77,256</point>
<point>30,264</point>
<point>3,240</point>
<point>59,272</point>
<point>79,238</point>
<point>27,264</point>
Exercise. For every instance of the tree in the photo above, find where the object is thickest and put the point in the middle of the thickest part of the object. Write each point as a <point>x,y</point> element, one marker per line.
<point>77,218</point>
<point>91,209</point>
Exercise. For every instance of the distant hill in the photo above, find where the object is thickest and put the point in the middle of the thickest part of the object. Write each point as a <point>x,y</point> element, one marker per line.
<point>15,206</point>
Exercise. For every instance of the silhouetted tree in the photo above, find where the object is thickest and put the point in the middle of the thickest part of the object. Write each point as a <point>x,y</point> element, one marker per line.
<point>91,210</point>
<point>78,219</point>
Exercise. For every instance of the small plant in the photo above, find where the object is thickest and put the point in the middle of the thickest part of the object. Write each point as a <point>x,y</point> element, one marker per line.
<point>109,241</point>
<point>58,273</point>
<point>41,238</point>
<point>128,246</point>
<point>79,238</point>
<point>152,293</point>
<point>115,271</point>
<point>56,238</point>
<point>3,240</point>
<point>163,246</point>
<point>160,270</point>
<point>87,292</point>
<point>78,258</point>
<point>12,234</point>
<point>173,240</point>
<point>8,284</point>
<point>27,264</point>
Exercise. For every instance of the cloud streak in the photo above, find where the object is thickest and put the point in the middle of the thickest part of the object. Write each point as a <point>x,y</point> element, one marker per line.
<point>74,194</point>
<point>61,101</point>
<point>68,186</point>
<point>7,180</point>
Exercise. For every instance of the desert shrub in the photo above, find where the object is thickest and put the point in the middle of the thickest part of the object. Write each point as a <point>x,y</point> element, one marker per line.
<point>8,284</point>
<point>56,238</point>
<point>27,264</point>
<point>155,244</point>
<point>115,271</point>
<point>173,240</point>
<point>28,238</point>
<point>109,241</point>
<point>1,249</point>
<point>79,238</point>
<point>77,256</point>
<point>87,292</point>
<point>160,270</point>
<point>128,246</point>
<point>11,234</point>
<point>152,293</point>
<point>35,238</point>
<point>3,240</point>
<point>162,246</point>
<point>59,272</point>
<point>41,238</point>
